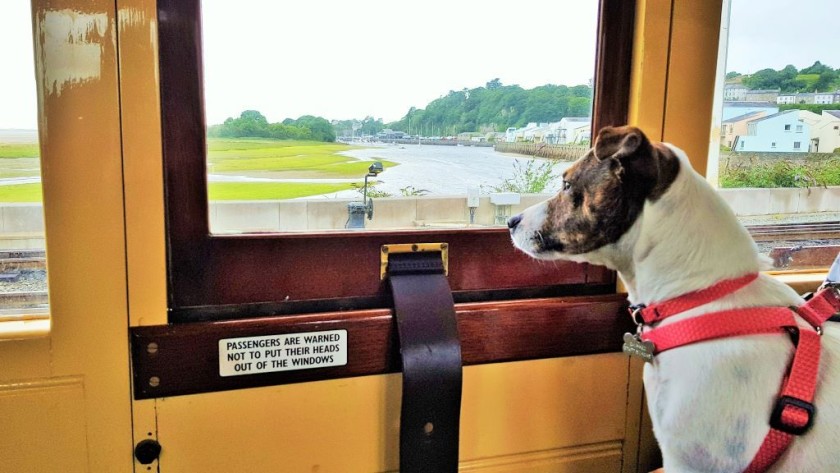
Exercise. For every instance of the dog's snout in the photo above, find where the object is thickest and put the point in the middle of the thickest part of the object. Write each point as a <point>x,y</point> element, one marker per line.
<point>514,221</point>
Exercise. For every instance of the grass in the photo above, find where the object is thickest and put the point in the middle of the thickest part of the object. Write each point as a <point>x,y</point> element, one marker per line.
<point>217,191</point>
<point>242,156</point>
<point>290,158</point>
<point>782,174</point>
<point>21,193</point>
<point>270,190</point>
<point>22,150</point>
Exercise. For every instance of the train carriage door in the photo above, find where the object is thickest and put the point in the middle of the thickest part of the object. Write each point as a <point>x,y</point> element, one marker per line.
<point>279,204</point>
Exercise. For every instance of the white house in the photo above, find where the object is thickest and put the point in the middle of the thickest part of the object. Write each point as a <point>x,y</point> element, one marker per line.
<point>782,132</point>
<point>824,98</point>
<point>784,99</point>
<point>825,135</point>
<point>567,130</point>
<point>526,133</point>
<point>574,129</point>
<point>510,134</point>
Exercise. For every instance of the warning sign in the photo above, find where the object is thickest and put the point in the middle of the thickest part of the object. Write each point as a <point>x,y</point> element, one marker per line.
<point>294,351</point>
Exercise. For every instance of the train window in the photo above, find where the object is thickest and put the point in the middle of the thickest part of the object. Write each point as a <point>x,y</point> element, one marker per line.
<point>299,117</point>
<point>467,118</point>
<point>23,283</point>
<point>779,76</point>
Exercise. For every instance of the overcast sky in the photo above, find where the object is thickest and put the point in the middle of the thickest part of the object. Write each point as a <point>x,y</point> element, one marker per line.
<point>341,60</point>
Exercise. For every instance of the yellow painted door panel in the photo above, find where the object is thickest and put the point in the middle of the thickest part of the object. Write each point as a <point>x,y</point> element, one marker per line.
<point>557,415</point>
<point>43,426</point>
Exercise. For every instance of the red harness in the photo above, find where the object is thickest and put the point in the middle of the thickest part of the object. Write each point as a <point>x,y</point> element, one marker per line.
<point>793,413</point>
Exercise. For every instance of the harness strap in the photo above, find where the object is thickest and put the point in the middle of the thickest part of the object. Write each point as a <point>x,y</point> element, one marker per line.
<point>727,323</point>
<point>794,410</point>
<point>658,311</point>
<point>821,307</point>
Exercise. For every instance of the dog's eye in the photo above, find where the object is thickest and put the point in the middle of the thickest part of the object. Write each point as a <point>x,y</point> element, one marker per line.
<point>567,185</point>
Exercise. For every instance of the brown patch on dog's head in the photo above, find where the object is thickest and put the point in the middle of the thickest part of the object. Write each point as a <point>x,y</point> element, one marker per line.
<point>604,192</point>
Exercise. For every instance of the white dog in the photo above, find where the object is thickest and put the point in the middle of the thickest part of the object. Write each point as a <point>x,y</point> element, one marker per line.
<point>637,207</point>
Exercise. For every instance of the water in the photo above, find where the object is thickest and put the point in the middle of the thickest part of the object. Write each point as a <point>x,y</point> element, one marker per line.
<point>443,170</point>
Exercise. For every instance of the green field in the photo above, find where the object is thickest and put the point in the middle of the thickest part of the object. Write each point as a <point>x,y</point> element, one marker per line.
<point>19,150</point>
<point>269,190</point>
<point>297,159</point>
<point>21,193</point>
<point>235,157</point>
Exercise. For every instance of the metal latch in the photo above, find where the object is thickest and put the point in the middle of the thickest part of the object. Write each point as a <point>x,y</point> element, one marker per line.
<point>387,250</point>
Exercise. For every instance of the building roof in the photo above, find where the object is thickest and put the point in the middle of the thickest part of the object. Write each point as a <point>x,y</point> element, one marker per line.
<point>833,113</point>
<point>745,116</point>
<point>733,103</point>
<point>577,119</point>
<point>774,115</point>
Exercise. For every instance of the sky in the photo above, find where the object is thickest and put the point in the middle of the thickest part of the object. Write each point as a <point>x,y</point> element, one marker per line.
<point>342,60</point>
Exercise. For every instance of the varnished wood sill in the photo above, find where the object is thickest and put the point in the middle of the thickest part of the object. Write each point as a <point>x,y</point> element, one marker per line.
<point>801,281</point>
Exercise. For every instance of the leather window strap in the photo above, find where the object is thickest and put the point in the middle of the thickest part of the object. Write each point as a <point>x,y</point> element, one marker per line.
<point>431,363</point>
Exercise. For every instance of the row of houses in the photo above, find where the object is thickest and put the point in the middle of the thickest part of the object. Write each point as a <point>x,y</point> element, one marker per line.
<point>569,130</point>
<point>742,93</point>
<point>761,127</point>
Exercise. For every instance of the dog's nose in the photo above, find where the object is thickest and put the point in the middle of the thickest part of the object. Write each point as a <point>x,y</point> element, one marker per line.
<point>514,221</point>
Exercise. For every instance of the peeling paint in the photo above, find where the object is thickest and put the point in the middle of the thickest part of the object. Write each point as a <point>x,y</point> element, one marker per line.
<point>69,48</point>
<point>130,17</point>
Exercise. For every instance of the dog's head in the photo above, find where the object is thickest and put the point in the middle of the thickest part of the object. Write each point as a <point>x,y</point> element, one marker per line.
<point>601,197</point>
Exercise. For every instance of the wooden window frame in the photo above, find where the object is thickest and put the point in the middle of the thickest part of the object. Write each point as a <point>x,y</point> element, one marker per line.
<point>219,277</point>
<point>508,306</point>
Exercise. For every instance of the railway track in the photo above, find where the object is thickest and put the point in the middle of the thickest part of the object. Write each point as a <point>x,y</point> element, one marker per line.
<point>11,260</point>
<point>798,231</point>
<point>23,284</point>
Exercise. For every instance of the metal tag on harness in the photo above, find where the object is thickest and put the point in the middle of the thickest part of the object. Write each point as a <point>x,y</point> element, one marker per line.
<point>635,346</point>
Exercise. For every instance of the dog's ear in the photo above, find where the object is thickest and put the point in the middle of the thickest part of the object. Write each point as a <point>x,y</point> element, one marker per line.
<point>618,142</point>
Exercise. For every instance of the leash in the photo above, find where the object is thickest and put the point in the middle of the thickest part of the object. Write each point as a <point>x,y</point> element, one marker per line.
<point>793,413</point>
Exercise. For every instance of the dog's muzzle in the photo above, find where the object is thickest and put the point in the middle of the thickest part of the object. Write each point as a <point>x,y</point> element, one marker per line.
<point>514,221</point>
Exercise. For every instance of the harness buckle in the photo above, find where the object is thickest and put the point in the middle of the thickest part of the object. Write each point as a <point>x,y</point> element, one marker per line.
<point>635,312</point>
<point>784,402</point>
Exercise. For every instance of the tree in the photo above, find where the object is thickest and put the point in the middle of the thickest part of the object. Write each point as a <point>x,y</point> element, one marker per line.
<point>319,128</point>
<point>826,81</point>
<point>493,84</point>
<point>252,123</point>
<point>253,116</point>
<point>763,79</point>
<point>496,107</point>
<point>816,68</point>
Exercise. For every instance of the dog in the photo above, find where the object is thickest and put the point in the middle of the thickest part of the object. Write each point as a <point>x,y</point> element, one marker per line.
<point>637,207</point>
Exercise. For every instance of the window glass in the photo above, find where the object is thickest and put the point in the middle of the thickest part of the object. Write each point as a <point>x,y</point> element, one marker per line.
<point>779,151</point>
<point>362,115</point>
<point>23,282</point>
